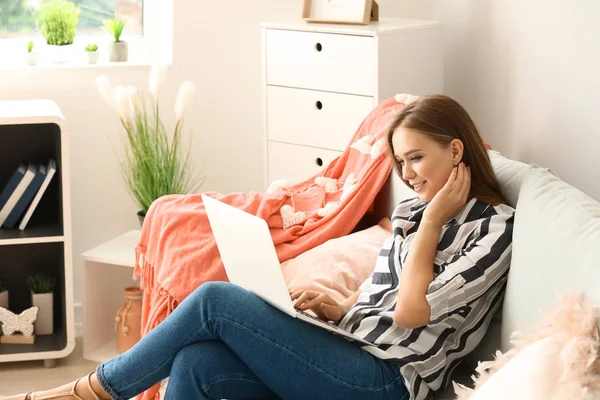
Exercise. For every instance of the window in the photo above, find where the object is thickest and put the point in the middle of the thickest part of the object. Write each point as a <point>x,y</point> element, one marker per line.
<point>16,17</point>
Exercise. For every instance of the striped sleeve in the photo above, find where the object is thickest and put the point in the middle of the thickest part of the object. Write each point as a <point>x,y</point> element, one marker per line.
<point>483,261</point>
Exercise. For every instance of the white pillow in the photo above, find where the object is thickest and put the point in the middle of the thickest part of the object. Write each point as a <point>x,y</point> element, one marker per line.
<point>529,375</point>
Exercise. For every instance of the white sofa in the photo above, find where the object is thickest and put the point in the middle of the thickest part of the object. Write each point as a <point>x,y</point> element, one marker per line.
<point>556,248</point>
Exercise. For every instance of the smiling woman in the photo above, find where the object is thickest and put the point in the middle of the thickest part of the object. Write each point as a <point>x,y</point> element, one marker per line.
<point>429,138</point>
<point>17,17</point>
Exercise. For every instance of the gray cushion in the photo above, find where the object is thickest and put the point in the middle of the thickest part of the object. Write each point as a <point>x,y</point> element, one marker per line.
<point>510,174</point>
<point>556,249</point>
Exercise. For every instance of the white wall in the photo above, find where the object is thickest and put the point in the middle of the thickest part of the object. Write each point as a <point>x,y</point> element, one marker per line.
<point>528,73</point>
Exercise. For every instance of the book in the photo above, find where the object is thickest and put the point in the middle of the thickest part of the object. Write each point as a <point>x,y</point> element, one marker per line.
<point>50,171</point>
<point>24,201</point>
<point>17,193</point>
<point>12,183</point>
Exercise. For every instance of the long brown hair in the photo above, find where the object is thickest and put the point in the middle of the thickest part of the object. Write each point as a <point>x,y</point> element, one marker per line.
<point>443,119</point>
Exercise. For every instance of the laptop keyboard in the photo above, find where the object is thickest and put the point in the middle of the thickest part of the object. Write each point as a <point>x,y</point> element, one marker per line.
<point>317,318</point>
<point>334,326</point>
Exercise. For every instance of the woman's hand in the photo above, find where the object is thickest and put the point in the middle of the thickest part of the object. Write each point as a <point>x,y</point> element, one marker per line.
<point>451,198</point>
<point>321,304</point>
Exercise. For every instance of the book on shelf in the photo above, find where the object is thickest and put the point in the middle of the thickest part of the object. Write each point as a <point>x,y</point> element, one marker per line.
<point>15,188</point>
<point>24,201</point>
<point>12,183</point>
<point>50,171</point>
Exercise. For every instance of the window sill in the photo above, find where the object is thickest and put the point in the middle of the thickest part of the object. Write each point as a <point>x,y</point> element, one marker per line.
<point>78,64</point>
<point>142,53</point>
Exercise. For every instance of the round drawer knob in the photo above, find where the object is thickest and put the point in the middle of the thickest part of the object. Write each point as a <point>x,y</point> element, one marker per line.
<point>319,161</point>
<point>319,47</point>
<point>319,105</point>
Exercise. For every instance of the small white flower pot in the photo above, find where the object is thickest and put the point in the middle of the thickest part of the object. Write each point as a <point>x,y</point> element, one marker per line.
<point>60,54</point>
<point>93,57</point>
<point>44,324</point>
<point>4,299</point>
<point>32,58</point>
<point>117,51</point>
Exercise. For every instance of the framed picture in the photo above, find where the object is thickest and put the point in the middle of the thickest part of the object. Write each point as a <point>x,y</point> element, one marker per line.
<point>358,12</point>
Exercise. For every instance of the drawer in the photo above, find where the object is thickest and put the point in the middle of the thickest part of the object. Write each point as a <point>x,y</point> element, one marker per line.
<point>313,118</point>
<point>321,61</point>
<point>296,163</point>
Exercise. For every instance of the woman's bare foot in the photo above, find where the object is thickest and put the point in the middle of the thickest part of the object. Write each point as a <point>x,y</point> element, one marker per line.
<point>85,388</point>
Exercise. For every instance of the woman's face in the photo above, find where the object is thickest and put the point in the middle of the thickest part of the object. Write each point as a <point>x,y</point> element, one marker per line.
<point>426,164</point>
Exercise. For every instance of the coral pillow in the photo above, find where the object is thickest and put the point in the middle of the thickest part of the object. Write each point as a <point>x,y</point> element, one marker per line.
<point>339,266</point>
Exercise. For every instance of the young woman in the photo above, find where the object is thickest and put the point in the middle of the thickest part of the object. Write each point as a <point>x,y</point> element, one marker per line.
<point>434,289</point>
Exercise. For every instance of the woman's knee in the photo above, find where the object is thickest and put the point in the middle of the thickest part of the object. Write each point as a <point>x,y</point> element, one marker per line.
<point>219,295</point>
<point>216,290</point>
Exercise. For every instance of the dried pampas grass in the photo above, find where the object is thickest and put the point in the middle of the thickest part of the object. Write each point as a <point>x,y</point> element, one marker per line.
<point>574,321</point>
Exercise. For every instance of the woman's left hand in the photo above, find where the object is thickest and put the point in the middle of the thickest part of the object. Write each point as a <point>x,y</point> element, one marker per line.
<point>452,197</point>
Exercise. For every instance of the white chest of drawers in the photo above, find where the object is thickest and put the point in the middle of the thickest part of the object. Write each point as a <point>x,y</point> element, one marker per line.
<point>320,81</point>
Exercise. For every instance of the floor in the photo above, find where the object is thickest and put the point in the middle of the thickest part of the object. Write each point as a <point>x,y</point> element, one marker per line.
<point>30,376</point>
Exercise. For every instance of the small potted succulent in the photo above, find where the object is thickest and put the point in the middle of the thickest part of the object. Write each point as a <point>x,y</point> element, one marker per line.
<point>3,295</point>
<point>31,55</point>
<point>57,21</point>
<point>42,296</point>
<point>117,49</point>
<point>92,53</point>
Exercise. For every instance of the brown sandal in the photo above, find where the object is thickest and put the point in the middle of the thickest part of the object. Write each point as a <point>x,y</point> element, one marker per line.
<point>71,393</point>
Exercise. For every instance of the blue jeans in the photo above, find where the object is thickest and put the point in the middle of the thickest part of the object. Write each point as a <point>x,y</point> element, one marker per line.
<point>224,342</point>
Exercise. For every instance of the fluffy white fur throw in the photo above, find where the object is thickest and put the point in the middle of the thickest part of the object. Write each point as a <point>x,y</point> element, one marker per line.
<point>575,321</point>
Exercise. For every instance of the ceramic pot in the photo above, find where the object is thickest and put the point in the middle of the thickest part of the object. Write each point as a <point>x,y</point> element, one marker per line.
<point>60,54</point>
<point>92,57</point>
<point>141,217</point>
<point>44,324</point>
<point>4,299</point>
<point>117,51</point>
<point>32,58</point>
<point>129,319</point>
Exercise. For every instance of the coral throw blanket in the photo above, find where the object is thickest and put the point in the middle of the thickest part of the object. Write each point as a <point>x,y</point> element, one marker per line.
<point>177,251</point>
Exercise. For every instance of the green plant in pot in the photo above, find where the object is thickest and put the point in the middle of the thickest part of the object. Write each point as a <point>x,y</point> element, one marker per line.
<point>117,49</point>
<point>42,296</point>
<point>92,53</point>
<point>31,55</point>
<point>156,161</point>
<point>3,295</point>
<point>57,21</point>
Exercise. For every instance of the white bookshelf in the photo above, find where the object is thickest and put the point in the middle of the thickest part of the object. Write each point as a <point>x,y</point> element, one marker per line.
<point>34,131</point>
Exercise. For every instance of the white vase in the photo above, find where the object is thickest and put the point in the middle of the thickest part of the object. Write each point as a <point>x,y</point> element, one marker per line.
<point>93,57</point>
<point>44,324</point>
<point>60,54</point>
<point>117,51</point>
<point>32,58</point>
<point>4,299</point>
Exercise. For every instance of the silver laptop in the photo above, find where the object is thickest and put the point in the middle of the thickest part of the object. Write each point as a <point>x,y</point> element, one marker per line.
<point>251,261</point>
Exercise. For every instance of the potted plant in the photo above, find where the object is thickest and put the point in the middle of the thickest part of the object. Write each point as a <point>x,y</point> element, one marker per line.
<point>31,55</point>
<point>3,295</point>
<point>156,161</point>
<point>57,21</point>
<point>42,296</point>
<point>92,52</point>
<point>117,50</point>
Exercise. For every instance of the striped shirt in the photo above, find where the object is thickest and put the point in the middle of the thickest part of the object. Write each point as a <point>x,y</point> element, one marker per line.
<point>470,271</point>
